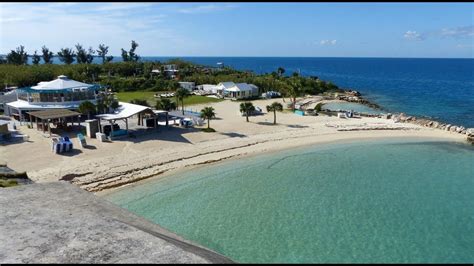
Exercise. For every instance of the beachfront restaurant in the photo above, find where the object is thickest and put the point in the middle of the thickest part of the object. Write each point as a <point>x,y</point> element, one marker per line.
<point>61,93</point>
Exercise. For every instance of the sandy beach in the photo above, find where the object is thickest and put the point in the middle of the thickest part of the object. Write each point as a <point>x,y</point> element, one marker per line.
<point>107,165</point>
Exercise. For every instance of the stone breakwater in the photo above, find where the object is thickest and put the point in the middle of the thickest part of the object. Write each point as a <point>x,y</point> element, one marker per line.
<point>355,97</point>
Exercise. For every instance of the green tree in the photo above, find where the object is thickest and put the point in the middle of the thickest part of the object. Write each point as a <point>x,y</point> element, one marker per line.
<point>47,55</point>
<point>81,54</point>
<point>18,56</point>
<point>90,55</point>
<point>247,108</point>
<point>84,56</point>
<point>66,55</point>
<point>87,107</point>
<point>102,52</point>
<point>208,113</point>
<point>294,90</point>
<point>125,55</point>
<point>180,95</point>
<point>274,107</point>
<point>280,71</point>
<point>114,105</point>
<point>107,102</point>
<point>165,104</point>
<point>130,55</point>
<point>36,58</point>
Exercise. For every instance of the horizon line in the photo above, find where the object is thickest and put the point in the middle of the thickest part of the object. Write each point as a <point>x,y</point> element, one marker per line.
<point>250,56</point>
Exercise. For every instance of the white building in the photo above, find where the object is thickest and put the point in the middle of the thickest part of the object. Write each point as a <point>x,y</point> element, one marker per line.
<point>61,93</point>
<point>190,86</point>
<point>205,89</point>
<point>237,90</point>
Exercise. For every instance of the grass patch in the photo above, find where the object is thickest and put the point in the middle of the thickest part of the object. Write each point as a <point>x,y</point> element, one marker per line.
<point>8,183</point>
<point>198,99</point>
<point>208,130</point>
<point>148,96</point>
<point>128,96</point>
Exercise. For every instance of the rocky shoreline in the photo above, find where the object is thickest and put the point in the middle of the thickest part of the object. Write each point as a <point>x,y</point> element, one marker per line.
<point>353,96</point>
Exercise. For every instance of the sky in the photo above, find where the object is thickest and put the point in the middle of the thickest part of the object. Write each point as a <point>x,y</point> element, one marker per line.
<point>435,30</point>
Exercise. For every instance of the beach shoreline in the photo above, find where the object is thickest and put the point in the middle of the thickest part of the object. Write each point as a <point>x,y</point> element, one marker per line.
<point>111,165</point>
<point>255,153</point>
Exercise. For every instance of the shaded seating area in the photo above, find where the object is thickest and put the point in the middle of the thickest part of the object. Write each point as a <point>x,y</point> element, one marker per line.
<point>57,117</point>
<point>147,118</point>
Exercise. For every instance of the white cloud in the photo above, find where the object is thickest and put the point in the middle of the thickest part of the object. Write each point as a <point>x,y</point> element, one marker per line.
<point>458,32</point>
<point>35,25</point>
<point>205,9</point>
<point>413,35</point>
<point>464,46</point>
<point>328,42</point>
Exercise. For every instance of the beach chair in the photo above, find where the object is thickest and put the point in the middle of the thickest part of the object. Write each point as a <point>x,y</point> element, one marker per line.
<point>55,147</point>
<point>82,140</point>
<point>67,144</point>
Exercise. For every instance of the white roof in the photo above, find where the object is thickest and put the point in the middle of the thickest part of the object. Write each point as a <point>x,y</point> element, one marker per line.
<point>125,110</point>
<point>61,83</point>
<point>24,105</point>
<point>227,85</point>
<point>207,86</point>
<point>240,87</point>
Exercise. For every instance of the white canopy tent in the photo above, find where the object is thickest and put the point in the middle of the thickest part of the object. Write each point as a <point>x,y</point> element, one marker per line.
<point>127,110</point>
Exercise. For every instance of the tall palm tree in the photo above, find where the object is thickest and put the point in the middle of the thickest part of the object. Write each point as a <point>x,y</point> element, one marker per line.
<point>274,107</point>
<point>180,95</point>
<point>294,90</point>
<point>86,108</point>
<point>208,113</point>
<point>247,108</point>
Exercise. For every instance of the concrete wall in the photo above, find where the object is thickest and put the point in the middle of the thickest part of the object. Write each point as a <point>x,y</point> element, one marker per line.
<point>58,222</point>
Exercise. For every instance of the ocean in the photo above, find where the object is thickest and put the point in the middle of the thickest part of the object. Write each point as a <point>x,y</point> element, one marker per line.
<point>391,201</point>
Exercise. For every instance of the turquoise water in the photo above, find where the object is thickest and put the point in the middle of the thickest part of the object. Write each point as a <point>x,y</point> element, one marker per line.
<point>360,108</point>
<point>386,202</point>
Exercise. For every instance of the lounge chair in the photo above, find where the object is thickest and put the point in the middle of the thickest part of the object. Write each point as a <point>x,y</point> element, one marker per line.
<point>82,140</point>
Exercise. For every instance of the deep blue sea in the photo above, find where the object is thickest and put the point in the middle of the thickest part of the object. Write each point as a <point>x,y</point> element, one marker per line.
<point>442,89</point>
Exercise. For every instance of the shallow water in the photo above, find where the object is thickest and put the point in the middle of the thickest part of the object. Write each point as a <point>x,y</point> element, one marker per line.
<point>364,202</point>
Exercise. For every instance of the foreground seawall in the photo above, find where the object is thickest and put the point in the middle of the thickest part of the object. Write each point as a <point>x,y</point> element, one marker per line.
<point>58,222</point>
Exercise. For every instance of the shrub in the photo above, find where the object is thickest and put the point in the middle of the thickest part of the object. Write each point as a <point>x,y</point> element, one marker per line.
<point>140,102</point>
<point>208,130</point>
<point>8,183</point>
<point>318,107</point>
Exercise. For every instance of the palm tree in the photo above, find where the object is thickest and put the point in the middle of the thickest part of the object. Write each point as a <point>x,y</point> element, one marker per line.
<point>165,104</point>
<point>208,113</point>
<point>180,95</point>
<point>294,90</point>
<point>86,108</point>
<point>274,107</point>
<point>247,108</point>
